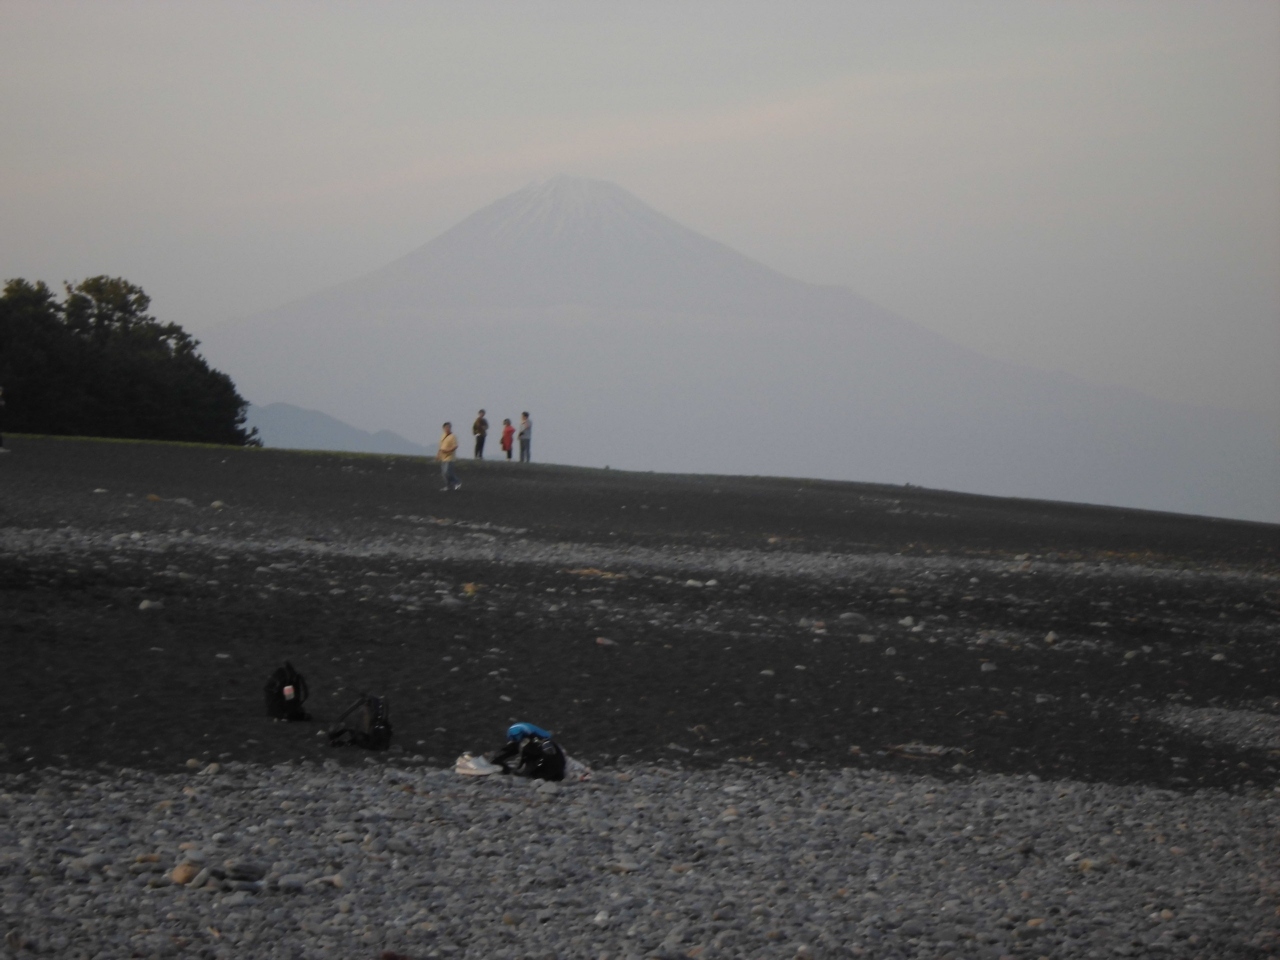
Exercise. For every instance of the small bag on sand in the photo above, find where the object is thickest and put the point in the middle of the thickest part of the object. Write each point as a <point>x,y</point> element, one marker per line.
<point>286,691</point>
<point>530,752</point>
<point>366,723</point>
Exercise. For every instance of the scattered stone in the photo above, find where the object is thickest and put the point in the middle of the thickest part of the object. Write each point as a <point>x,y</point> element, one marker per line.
<point>92,861</point>
<point>648,852</point>
<point>151,605</point>
<point>923,751</point>
<point>239,869</point>
<point>1249,729</point>
<point>856,862</point>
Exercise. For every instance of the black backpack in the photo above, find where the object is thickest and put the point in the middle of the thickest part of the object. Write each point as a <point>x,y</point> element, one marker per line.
<point>541,759</point>
<point>366,723</point>
<point>286,691</point>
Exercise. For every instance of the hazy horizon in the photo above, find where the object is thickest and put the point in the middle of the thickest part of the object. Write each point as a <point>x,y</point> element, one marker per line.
<point>643,344</point>
<point>1085,187</point>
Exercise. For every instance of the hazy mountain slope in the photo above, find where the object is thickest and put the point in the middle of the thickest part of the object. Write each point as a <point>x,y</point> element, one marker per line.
<point>638,343</point>
<point>293,428</point>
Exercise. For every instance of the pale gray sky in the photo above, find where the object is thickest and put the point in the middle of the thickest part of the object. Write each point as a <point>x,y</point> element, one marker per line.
<point>1092,187</point>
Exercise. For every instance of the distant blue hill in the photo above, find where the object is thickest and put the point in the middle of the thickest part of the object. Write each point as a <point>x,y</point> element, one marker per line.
<point>296,428</point>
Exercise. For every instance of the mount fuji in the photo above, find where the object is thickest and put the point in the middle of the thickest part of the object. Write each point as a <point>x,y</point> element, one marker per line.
<point>641,344</point>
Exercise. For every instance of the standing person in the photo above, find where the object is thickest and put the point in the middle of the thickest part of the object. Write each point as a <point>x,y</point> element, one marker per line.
<point>446,454</point>
<point>526,437</point>
<point>480,430</point>
<point>508,436</point>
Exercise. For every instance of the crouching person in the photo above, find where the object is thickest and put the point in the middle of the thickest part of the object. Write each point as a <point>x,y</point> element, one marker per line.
<point>530,752</point>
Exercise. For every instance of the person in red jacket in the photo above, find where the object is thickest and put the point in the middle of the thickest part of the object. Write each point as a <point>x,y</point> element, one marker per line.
<point>508,436</point>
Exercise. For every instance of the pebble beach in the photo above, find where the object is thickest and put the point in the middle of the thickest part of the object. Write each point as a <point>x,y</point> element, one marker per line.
<point>813,733</point>
<point>304,861</point>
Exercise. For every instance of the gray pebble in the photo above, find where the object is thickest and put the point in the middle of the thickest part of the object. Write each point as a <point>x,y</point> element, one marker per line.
<point>740,861</point>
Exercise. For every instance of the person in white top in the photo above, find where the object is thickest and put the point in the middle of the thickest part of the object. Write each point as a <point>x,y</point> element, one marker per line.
<point>526,437</point>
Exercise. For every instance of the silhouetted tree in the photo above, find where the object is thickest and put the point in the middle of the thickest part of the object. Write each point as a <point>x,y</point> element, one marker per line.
<point>96,364</point>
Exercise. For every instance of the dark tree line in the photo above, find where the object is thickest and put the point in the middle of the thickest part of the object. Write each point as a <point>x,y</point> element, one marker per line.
<point>96,364</point>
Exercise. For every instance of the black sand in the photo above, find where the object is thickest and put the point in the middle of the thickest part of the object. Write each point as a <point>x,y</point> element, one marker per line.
<point>90,678</point>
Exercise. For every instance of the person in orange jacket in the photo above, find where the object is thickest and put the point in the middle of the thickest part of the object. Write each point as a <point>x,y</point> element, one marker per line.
<point>508,437</point>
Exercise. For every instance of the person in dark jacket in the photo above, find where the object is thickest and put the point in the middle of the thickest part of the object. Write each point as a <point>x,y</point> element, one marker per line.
<point>480,430</point>
<point>530,752</point>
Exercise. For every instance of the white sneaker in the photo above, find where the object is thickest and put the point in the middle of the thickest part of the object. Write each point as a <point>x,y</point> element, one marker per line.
<point>472,766</point>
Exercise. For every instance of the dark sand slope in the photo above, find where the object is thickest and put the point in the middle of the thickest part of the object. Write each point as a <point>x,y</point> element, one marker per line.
<point>473,609</point>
